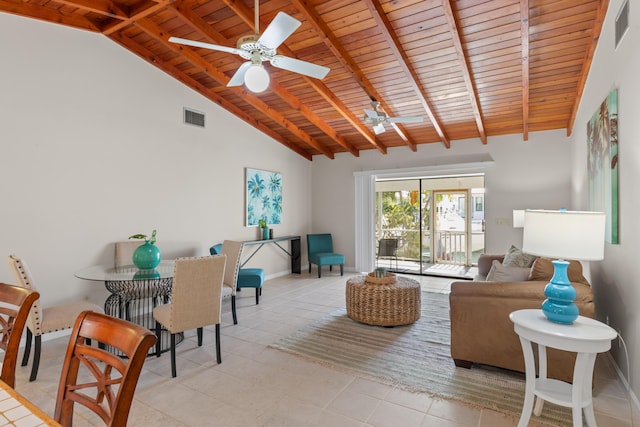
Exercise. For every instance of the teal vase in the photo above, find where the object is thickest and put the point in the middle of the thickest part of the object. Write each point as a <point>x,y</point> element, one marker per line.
<point>147,256</point>
<point>265,233</point>
<point>146,274</point>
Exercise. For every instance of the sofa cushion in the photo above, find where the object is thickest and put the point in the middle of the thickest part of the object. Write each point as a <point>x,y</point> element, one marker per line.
<point>542,269</point>
<point>505,273</point>
<point>516,258</point>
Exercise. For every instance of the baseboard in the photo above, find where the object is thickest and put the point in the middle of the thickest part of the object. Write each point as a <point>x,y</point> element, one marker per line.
<point>625,384</point>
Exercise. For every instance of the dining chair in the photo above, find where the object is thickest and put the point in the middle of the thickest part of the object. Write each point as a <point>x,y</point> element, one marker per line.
<point>232,249</point>
<point>44,320</point>
<point>196,300</point>
<point>14,311</point>
<point>124,252</point>
<point>247,277</point>
<point>94,376</point>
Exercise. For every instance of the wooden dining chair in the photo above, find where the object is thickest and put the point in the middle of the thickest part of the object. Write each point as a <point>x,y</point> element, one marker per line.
<point>44,320</point>
<point>196,300</point>
<point>97,378</point>
<point>14,311</point>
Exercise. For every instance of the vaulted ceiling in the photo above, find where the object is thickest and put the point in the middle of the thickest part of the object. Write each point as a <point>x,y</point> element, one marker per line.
<point>471,68</point>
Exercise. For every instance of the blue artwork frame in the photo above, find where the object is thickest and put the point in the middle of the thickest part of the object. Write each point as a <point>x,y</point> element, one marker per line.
<point>263,191</point>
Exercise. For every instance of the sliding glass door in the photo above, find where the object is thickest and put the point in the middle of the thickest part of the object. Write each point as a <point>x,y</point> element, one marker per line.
<point>422,222</point>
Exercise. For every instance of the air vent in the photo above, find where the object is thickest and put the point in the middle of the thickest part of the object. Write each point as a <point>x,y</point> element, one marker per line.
<point>622,22</point>
<point>195,118</point>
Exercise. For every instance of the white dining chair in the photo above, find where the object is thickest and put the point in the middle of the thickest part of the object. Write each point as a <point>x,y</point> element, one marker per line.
<point>44,320</point>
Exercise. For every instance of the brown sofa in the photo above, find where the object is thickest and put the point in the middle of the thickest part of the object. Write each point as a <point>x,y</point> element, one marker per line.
<point>481,331</point>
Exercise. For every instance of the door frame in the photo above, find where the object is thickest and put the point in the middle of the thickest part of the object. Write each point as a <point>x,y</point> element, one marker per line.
<point>365,198</point>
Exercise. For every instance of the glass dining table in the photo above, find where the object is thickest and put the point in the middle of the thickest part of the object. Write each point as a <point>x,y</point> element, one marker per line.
<point>134,292</point>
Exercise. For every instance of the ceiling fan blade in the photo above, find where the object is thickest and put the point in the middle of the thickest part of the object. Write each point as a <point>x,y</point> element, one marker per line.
<point>298,66</point>
<point>371,114</point>
<point>278,30</point>
<point>238,77</point>
<point>204,45</point>
<point>378,129</point>
<point>405,119</point>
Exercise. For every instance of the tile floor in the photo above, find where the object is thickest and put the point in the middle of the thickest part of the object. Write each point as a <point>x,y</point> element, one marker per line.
<point>259,386</point>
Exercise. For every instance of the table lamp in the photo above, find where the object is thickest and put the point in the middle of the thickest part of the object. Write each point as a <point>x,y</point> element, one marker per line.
<point>565,235</point>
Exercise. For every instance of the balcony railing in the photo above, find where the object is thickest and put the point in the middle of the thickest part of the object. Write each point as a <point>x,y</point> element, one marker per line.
<point>450,246</point>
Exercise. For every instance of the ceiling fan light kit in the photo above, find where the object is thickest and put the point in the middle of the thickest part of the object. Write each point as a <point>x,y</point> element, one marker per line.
<point>258,48</point>
<point>256,79</point>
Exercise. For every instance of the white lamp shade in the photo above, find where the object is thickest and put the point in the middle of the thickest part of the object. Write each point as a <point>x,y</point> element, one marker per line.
<point>564,234</point>
<point>518,218</point>
<point>256,78</point>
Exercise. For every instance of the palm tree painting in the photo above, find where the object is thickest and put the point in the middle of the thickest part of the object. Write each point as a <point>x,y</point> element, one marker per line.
<point>602,163</point>
<point>263,196</point>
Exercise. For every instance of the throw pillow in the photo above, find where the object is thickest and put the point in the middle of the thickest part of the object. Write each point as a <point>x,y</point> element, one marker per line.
<point>542,269</point>
<point>504,273</point>
<point>516,258</point>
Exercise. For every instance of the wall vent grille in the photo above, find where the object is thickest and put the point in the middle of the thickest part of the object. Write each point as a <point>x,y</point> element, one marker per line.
<point>192,117</point>
<point>622,22</point>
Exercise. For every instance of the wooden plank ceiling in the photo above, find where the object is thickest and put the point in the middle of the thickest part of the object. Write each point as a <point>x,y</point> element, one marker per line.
<point>471,68</point>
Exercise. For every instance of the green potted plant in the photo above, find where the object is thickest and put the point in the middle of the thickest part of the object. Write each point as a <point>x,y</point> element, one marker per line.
<point>262,223</point>
<point>146,256</point>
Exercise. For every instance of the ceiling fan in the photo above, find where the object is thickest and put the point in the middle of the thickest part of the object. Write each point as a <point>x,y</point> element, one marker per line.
<point>257,48</point>
<point>378,118</point>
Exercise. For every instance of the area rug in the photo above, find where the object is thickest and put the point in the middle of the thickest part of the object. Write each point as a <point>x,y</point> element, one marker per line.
<point>416,358</point>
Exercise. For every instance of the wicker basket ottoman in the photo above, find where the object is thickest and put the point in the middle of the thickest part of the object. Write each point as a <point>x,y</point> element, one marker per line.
<point>386,304</point>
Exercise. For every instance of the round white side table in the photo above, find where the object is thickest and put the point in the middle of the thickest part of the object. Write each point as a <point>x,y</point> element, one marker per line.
<point>586,337</point>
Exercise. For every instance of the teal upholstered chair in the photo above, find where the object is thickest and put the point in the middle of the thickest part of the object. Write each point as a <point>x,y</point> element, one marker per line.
<point>247,277</point>
<point>251,278</point>
<point>320,249</point>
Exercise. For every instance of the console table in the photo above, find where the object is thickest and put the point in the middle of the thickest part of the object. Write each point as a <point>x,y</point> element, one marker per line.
<point>585,336</point>
<point>294,252</point>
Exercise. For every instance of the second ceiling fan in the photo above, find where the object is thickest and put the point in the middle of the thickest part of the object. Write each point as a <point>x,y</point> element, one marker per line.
<point>378,118</point>
<point>258,48</point>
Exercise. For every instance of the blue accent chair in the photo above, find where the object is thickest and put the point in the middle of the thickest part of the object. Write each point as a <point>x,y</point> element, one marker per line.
<point>247,277</point>
<point>251,278</point>
<point>320,249</point>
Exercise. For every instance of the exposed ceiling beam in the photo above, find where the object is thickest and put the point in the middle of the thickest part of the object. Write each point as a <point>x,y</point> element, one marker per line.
<point>247,15</point>
<point>206,92</point>
<point>101,7</point>
<point>141,11</point>
<point>42,13</point>
<point>403,60</point>
<point>338,50</point>
<point>464,65</point>
<point>200,26</point>
<point>524,42</point>
<point>588,59</point>
<point>157,33</point>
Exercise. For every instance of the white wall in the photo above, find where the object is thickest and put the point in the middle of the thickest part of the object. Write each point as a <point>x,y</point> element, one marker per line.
<point>526,174</point>
<point>615,280</point>
<point>93,150</point>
